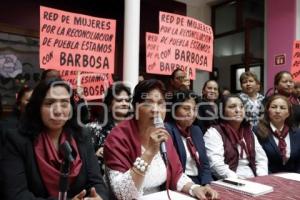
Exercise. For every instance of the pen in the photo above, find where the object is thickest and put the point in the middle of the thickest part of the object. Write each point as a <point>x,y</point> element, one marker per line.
<point>233,182</point>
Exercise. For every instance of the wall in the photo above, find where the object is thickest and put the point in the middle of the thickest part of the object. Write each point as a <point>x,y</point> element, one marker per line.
<point>200,12</point>
<point>22,14</point>
<point>280,34</point>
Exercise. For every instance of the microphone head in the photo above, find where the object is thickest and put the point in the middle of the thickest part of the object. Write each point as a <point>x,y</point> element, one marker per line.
<point>158,122</point>
<point>66,151</point>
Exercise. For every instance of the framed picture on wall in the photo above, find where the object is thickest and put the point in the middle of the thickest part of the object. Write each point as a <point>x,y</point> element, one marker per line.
<point>19,63</point>
<point>237,70</point>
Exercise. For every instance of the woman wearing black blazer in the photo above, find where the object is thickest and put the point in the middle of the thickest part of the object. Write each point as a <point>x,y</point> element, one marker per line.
<point>278,138</point>
<point>33,156</point>
<point>208,107</point>
<point>188,138</point>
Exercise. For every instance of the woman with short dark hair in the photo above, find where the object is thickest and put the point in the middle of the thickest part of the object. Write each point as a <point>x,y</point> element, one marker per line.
<point>188,138</point>
<point>131,151</point>
<point>33,157</point>
<point>251,97</point>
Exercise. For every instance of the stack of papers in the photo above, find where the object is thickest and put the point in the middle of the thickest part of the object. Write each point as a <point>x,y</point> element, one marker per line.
<point>244,186</point>
<point>290,176</point>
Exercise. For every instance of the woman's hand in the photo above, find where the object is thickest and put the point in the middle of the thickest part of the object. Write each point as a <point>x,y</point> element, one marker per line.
<point>99,152</point>
<point>93,195</point>
<point>157,135</point>
<point>205,192</point>
<point>80,195</point>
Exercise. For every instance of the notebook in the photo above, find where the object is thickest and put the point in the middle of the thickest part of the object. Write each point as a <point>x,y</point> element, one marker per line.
<point>244,186</point>
<point>290,176</point>
<point>163,196</point>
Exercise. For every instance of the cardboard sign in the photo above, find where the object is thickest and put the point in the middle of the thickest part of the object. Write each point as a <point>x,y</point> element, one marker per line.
<point>184,42</point>
<point>295,68</point>
<point>152,58</point>
<point>76,42</point>
<point>93,85</point>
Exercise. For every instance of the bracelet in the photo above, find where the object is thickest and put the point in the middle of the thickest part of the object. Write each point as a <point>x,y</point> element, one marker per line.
<point>140,164</point>
<point>137,172</point>
<point>192,188</point>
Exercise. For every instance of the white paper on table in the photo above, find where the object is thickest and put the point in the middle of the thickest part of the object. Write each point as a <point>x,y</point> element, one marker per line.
<point>290,176</point>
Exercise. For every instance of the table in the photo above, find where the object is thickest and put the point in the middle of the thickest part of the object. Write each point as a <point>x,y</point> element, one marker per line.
<point>284,189</point>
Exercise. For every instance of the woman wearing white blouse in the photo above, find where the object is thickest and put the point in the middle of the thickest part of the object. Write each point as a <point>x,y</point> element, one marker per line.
<point>232,148</point>
<point>279,139</point>
<point>131,151</point>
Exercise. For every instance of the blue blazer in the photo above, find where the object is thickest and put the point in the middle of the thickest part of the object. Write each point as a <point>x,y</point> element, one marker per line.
<point>204,173</point>
<point>273,153</point>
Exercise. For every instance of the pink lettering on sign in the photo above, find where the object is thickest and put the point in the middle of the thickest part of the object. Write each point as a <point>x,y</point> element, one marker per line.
<point>184,41</point>
<point>152,60</point>
<point>93,85</point>
<point>295,68</point>
<point>154,65</point>
<point>76,42</point>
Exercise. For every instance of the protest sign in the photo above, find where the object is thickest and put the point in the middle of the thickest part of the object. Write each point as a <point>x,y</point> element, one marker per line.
<point>184,42</point>
<point>93,85</point>
<point>295,68</point>
<point>76,42</point>
<point>152,58</point>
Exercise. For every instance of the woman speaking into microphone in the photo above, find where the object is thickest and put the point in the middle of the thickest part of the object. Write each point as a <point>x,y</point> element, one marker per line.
<point>131,151</point>
<point>32,159</point>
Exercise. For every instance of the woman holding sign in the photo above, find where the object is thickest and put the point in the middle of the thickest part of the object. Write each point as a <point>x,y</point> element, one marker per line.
<point>33,158</point>
<point>117,104</point>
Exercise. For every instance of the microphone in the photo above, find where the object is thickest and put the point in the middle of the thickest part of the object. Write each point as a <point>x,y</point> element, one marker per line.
<point>66,151</point>
<point>159,123</point>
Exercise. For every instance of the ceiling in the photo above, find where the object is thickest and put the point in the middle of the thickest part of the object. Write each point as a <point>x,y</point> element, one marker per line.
<point>198,3</point>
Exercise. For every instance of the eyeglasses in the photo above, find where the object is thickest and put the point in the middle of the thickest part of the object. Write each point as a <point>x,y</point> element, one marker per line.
<point>180,78</point>
<point>123,99</point>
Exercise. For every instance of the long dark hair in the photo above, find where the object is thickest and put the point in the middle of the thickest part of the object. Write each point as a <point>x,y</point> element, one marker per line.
<point>32,124</point>
<point>277,79</point>
<point>17,111</point>
<point>21,93</point>
<point>264,124</point>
